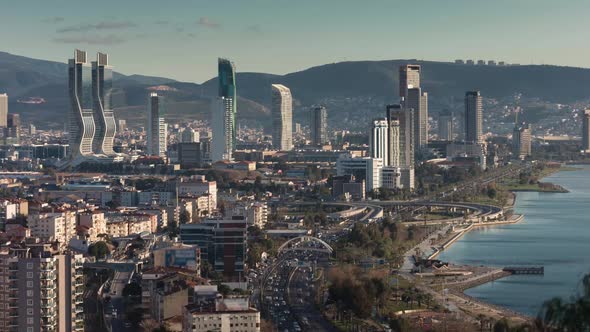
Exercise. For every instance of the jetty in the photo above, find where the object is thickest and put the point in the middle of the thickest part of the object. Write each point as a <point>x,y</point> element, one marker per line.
<point>525,269</point>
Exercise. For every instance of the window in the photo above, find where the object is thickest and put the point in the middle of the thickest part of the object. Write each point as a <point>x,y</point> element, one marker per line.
<point>29,311</point>
<point>29,329</point>
<point>30,303</point>
<point>30,275</point>
<point>30,320</point>
<point>29,293</point>
<point>29,284</point>
<point>29,266</point>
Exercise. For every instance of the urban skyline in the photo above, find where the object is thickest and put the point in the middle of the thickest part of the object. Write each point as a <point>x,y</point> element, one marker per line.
<point>385,196</point>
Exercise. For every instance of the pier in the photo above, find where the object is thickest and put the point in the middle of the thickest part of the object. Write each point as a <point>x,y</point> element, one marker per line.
<point>525,269</point>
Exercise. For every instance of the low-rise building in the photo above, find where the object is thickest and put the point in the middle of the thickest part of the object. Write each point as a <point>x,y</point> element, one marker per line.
<point>213,312</point>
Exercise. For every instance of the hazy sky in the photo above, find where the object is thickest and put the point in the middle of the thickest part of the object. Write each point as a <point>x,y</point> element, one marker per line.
<point>182,39</point>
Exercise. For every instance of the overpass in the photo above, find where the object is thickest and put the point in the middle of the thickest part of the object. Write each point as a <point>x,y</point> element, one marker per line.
<point>306,242</point>
<point>477,212</point>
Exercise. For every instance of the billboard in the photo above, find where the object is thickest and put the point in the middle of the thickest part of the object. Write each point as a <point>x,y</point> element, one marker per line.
<point>181,257</point>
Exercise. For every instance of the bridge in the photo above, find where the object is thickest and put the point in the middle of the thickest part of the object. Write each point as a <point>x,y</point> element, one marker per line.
<point>305,243</point>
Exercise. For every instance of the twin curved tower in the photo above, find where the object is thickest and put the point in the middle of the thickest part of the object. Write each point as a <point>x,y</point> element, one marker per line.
<point>91,124</point>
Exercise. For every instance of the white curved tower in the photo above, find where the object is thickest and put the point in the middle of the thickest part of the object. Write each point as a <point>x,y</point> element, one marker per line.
<point>282,116</point>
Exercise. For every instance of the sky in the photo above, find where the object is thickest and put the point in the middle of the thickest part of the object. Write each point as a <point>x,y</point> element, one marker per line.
<point>182,39</point>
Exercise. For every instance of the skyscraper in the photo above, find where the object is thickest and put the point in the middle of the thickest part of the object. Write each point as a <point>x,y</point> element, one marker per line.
<point>473,117</point>
<point>227,90</point>
<point>12,130</point>
<point>189,135</point>
<point>521,141</point>
<point>378,142</point>
<point>282,117</point>
<point>222,126</point>
<point>3,110</point>
<point>81,126</point>
<point>445,126</point>
<point>156,128</point>
<point>102,88</point>
<point>402,119</point>
<point>318,125</point>
<point>418,101</point>
<point>586,131</point>
<point>409,77</point>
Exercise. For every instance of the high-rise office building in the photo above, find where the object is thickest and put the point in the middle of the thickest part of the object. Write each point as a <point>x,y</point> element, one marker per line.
<point>282,117</point>
<point>41,291</point>
<point>222,146</point>
<point>227,90</point>
<point>81,126</point>
<point>362,168</point>
<point>12,130</point>
<point>3,110</point>
<point>473,117</point>
<point>521,141</point>
<point>223,243</point>
<point>409,77</point>
<point>445,126</point>
<point>418,101</point>
<point>104,118</point>
<point>318,125</point>
<point>586,130</point>
<point>122,126</point>
<point>156,127</point>
<point>403,121</point>
<point>189,135</point>
<point>378,142</point>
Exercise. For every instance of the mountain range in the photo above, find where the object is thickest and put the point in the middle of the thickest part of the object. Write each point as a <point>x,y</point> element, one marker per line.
<point>25,78</point>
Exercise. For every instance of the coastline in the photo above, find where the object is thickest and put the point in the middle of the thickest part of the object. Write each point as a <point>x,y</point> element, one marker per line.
<point>475,306</point>
<point>459,291</point>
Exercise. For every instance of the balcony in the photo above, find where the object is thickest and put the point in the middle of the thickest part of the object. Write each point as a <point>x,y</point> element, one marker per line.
<point>47,313</point>
<point>48,321</point>
<point>47,276</point>
<point>46,267</point>
<point>47,304</point>
<point>47,294</point>
<point>47,284</point>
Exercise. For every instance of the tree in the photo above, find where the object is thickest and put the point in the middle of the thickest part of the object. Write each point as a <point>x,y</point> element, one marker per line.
<point>502,326</point>
<point>568,316</point>
<point>99,249</point>
<point>132,289</point>
<point>184,217</point>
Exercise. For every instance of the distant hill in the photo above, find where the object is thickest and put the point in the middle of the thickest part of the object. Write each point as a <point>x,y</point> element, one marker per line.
<point>23,77</point>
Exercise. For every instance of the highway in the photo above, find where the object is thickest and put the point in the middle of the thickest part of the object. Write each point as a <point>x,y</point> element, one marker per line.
<point>117,315</point>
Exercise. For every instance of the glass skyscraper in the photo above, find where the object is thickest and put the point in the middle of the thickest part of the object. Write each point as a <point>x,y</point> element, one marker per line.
<point>102,83</point>
<point>156,128</point>
<point>223,113</point>
<point>81,124</point>
<point>227,89</point>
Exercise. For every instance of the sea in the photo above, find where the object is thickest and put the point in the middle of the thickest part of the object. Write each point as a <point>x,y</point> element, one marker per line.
<point>555,233</point>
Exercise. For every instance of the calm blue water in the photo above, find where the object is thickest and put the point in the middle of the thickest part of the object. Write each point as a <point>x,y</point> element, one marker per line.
<point>555,233</point>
